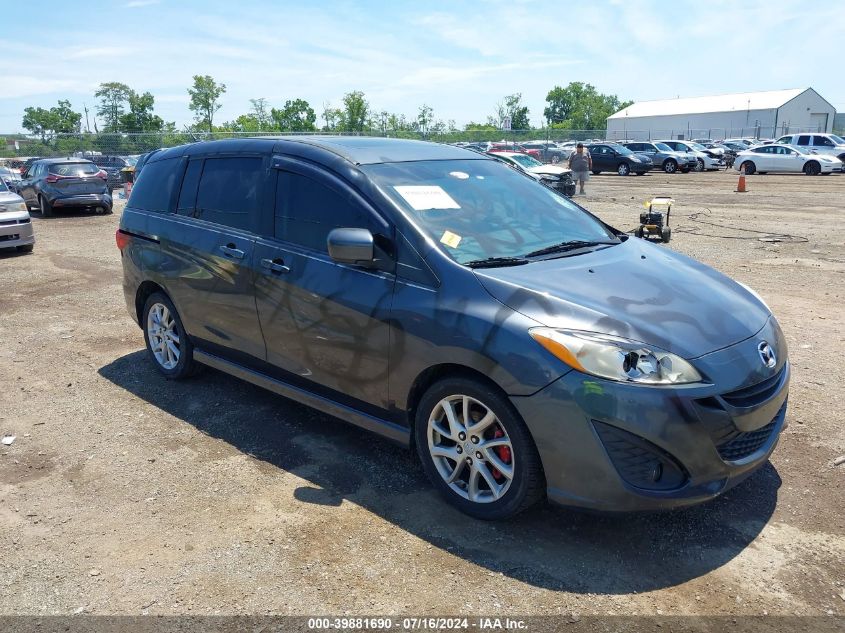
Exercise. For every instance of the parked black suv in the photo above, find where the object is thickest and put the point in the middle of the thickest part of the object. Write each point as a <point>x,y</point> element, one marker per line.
<point>617,158</point>
<point>60,183</point>
<point>435,296</point>
<point>112,166</point>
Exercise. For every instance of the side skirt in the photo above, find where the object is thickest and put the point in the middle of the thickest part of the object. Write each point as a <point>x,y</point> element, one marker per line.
<point>391,431</point>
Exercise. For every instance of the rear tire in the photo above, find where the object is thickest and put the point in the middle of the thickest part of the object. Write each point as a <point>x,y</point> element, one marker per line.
<point>446,450</point>
<point>46,206</point>
<point>750,167</point>
<point>163,331</point>
<point>639,232</point>
<point>666,234</point>
<point>596,173</point>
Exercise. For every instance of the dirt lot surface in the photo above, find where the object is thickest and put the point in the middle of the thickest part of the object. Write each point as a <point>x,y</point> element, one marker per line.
<point>124,493</point>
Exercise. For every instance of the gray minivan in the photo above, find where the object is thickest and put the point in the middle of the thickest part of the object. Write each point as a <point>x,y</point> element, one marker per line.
<point>430,294</point>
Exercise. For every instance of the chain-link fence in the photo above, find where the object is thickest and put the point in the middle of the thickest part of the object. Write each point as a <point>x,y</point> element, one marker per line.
<point>55,145</point>
<point>87,145</point>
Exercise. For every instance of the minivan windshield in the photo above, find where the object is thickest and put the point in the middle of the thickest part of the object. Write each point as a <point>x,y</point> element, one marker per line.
<point>481,209</point>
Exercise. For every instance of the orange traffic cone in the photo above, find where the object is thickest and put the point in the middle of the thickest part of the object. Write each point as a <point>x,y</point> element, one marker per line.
<point>740,187</point>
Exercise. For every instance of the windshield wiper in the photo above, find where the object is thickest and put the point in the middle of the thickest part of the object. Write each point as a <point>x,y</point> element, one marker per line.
<point>563,247</point>
<point>493,262</point>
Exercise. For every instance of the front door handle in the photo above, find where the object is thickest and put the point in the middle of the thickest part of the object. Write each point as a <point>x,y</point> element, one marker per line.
<point>230,250</point>
<point>275,265</point>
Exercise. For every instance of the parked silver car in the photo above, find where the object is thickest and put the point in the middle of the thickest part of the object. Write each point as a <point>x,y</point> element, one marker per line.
<point>15,224</point>
<point>664,157</point>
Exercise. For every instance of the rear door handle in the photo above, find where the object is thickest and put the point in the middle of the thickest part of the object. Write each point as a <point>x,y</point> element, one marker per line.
<point>230,250</point>
<point>275,265</point>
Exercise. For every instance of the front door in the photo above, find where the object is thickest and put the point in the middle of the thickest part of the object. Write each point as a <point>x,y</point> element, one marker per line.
<point>326,325</point>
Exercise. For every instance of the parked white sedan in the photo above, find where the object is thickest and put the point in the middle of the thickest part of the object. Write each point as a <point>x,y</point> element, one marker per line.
<point>786,158</point>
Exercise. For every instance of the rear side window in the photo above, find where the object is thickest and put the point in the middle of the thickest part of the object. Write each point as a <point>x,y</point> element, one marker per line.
<point>73,170</point>
<point>229,191</point>
<point>803,140</point>
<point>307,210</point>
<point>155,186</point>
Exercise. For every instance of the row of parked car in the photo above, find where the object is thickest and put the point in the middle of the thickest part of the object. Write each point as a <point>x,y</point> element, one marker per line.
<point>808,153</point>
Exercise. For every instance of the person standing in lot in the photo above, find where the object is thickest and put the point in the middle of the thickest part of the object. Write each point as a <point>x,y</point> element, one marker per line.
<point>580,162</point>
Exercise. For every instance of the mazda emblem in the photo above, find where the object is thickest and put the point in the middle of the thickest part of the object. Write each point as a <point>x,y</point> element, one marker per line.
<point>767,354</point>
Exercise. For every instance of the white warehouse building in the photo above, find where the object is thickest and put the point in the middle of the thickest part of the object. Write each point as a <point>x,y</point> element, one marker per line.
<point>747,114</point>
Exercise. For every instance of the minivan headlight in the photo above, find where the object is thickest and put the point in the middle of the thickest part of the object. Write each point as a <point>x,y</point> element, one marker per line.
<point>13,206</point>
<point>616,358</point>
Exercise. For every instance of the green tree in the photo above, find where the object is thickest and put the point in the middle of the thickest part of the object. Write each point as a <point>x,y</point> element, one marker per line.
<point>513,108</point>
<point>425,118</point>
<point>355,111</point>
<point>333,118</point>
<point>140,117</point>
<point>295,116</point>
<point>113,96</point>
<point>580,106</point>
<point>38,121</point>
<point>260,115</point>
<point>60,119</point>
<point>205,100</point>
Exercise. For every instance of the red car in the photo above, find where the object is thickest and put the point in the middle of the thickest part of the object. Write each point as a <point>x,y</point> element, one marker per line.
<point>514,147</point>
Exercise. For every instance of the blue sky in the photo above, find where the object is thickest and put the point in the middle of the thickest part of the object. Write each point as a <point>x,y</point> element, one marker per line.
<point>460,58</point>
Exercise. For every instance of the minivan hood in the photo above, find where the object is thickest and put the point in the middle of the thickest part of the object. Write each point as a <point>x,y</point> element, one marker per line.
<point>634,290</point>
<point>7,197</point>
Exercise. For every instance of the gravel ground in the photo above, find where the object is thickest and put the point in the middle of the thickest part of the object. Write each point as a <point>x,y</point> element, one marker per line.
<point>124,493</point>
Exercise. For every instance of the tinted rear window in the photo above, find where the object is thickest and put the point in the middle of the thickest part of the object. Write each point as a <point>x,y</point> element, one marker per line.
<point>73,169</point>
<point>229,191</point>
<point>153,191</point>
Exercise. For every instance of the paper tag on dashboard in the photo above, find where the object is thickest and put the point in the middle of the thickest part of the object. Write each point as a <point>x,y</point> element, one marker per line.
<point>451,239</point>
<point>424,197</point>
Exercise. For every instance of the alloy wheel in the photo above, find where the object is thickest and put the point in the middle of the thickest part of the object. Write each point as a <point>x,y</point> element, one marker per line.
<point>163,336</point>
<point>470,449</point>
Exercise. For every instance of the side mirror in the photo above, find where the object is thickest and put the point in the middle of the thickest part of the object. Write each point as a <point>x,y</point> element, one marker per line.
<point>351,246</point>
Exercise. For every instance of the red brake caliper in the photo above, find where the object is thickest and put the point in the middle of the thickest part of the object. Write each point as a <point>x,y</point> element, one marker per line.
<point>504,452</point>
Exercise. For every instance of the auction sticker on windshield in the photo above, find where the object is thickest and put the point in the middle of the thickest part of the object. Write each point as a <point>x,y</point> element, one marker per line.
<point>425,197</point>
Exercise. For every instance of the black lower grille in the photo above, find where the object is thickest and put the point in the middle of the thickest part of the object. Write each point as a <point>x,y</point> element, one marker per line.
<point>9,238</point>
<point>638,461</point>
<point>742,445</point>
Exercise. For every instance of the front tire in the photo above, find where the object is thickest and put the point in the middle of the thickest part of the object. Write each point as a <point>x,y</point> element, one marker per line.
<point>167,344</point>
<point>623,169</point>
<point>476,450</point>
<point>670,166</point>
<point>699,164</point>
<point>812,168</point>
<point>26,248</point>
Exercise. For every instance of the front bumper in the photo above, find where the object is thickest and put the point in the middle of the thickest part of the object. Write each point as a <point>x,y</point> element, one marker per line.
<point>619,447</point>
<point>83,200</point>
<point>16,232</point>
